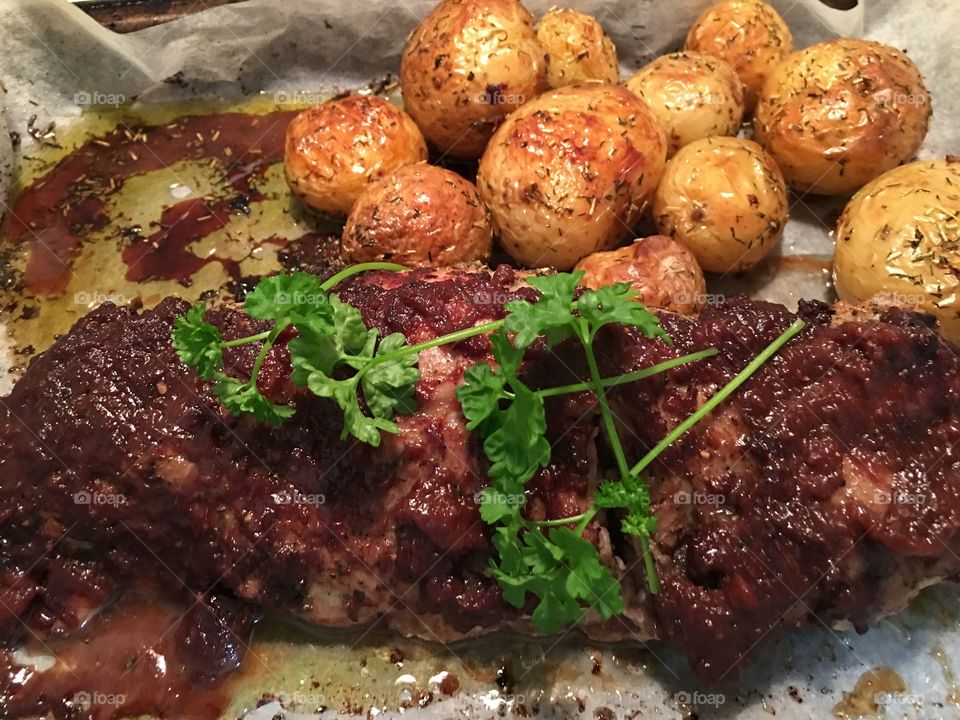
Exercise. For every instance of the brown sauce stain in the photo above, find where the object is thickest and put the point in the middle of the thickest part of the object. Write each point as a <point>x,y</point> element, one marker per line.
<point>863,701</point>
<point>129,663</point>
<point>54,214</point>
<point>802,263</point>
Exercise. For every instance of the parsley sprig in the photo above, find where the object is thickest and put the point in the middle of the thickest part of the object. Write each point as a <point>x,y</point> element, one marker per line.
<point>331,339</point>
<point>334,354</point>
<point>372,380</point>
<point>551,560</point>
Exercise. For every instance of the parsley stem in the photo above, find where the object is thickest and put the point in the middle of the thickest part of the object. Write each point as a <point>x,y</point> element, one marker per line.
<point>587,515</point>
<point>339,277</point>
<point>265,349</point>
<point>596,384</point>
<point>720,396</point>
<point>653,581</point>
<point>629,377</point>
<point>447,339</point>
<point>249,339</point>
<point>615,446</point>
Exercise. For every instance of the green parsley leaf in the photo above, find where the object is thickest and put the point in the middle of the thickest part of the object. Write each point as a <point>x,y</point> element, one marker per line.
<point>335,335</point>
<point>480,394</point>
<point>496,506</point>
<point>631,494</point>
<point>388,387</point>
<point>550,316</point>
<point>286,297</point>
<point>344,392</point>
<point>243,397</point>
<point>506,541</point>
<point>617,304</point>
<point>638,524</point>
<point>507,355</point>
<point>198,343</point>
<point>588,579</point>
<point>350,333</point>
<point>517,448</point>
<point>510,416</point>
<point>561,569</point>
<point>557,609</point>
<point>312,351</point>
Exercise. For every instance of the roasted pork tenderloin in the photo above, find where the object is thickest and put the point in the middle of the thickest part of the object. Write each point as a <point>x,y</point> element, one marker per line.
<point>826,490</point>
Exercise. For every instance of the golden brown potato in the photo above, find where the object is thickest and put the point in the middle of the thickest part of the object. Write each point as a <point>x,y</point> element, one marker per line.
<point>838,114</point>
<point>899,238</point>
<point>748,34</point>
<point>692,94</point>
<point>578,50</point>
<point>467,66</point>
<point>664,273</point>
<point>333,151</point>
<point>570,173</point>
<point>419,215</point>
<point>725,199</point>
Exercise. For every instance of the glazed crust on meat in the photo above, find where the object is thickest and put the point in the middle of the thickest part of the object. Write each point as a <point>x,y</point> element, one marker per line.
<point>827,486</point>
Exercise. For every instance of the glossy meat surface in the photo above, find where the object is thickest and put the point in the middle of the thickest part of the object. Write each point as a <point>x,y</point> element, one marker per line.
<point>828,487</point>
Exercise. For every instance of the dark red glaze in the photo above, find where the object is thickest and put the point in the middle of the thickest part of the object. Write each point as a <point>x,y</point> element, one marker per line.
<point>831,474</point>
<point>792,460</point>
<point>56,212</point>
<point>130,661</point>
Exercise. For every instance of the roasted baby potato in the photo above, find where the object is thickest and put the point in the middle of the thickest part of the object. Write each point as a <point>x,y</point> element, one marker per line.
<point>467,66</point>
<point>578,50</point>
<point>692,94</point>
<point>664,273</point>
<point>748,34</point>
<point>899,237</point>
<point>333,151</point>
<point>419,215</point>
<point>725,199</point>
<point>570,172</point>
<point>838,114</point>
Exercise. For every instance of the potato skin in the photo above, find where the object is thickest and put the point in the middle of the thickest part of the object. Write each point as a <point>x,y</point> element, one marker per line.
<point>468,65</point>
<point>578,50</point>
<point>664,273</point>
<point>570,172</point>
<point>692,94</point>
<point>899,237</point>
<point>419,215</point>
<point>838,114</point>
<point>748,34</point>
<point>333,151</point>
<point>725,199</point>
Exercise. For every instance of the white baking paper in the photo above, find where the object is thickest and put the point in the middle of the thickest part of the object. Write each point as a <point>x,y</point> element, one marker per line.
<point>55,61</point>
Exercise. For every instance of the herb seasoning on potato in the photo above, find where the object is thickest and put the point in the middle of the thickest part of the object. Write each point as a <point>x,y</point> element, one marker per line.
<point>570,173</point>
<point>725,199</point>
<point>419,215</point>
<point>900,237</point>
<point>838,114</point>
<point>663,273</point>
<point>578,50</point>
<point>333,151</point>
<point>748,34</point>
<point>466,67</point>
<point>694,95</point>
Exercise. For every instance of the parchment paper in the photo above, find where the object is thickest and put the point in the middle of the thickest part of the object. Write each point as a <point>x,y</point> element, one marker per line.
<point>55,62</point>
